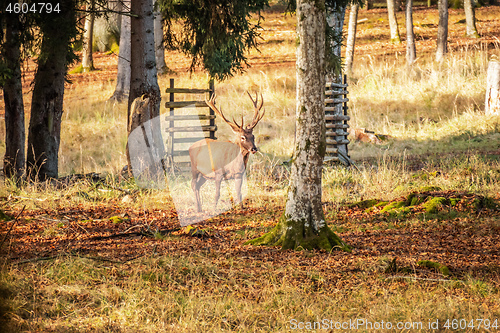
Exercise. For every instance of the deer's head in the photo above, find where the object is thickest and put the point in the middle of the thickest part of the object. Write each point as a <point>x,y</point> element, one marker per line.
<point>244,135</point>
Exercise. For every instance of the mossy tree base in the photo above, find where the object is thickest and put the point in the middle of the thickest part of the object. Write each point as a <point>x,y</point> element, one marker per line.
<point>299,235</point>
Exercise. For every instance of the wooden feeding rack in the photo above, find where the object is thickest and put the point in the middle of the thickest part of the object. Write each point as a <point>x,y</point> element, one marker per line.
<point>181,132</point>
<point>336,121</point>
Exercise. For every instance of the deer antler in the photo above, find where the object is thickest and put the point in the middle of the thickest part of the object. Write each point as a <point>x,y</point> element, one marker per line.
<point>256,116</point>
<point>234,125</point>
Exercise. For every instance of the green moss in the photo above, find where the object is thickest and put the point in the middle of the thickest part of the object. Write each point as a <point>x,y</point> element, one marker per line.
<point>365,203</point>
<point>454,201</point>
<point>77,69</point>
<point>431,264</point>
<point>116,219</point>
<point>393,205</point>
<point>432,205</point>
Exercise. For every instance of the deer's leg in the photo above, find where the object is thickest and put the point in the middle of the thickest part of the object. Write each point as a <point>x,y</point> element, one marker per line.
<point>237,184</point>
<point>196,183</point>
<point>218,181</point>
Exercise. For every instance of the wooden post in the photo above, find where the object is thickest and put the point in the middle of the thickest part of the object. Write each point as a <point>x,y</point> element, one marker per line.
<point>171,124</point>
<point>211,87</point>
<point>492,101</point>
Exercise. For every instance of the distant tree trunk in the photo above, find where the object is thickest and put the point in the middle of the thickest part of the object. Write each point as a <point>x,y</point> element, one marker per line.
<point>411,51</point>
<point>351,37</point>
<point>122,88</point>
<point>143,79</point>
<point>368,4</point>
<point>442,35</point>
<point>393,22</point>
<point>303,225</point>
<point>470,19</point>
<point>47,101</point>
<point>492,102</point>
<point>335,20</point>
<point>14,159</point>
<point>161,66</point>
<point>87,59</point>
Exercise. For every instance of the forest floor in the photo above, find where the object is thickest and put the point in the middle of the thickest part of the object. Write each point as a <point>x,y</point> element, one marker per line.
<point>100,255</point>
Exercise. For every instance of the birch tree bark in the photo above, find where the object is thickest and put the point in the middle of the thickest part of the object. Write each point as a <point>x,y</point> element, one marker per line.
<point>492,102</point>
<point>393,21</point>
<point>14,158</point>
<point>122,88</point>
<point>411,51</point>
<point>470,19</point>
<point>442,34</point>
<point>303,225</point>
<point>161,66</point>
<point>351,37</point>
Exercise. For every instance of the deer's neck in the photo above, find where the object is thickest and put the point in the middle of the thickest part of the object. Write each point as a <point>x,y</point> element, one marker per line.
<point>245,153</point>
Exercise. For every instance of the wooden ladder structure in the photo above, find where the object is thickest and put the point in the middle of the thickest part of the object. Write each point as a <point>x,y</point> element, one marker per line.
<point>336,122</point>
<point>180,130</point>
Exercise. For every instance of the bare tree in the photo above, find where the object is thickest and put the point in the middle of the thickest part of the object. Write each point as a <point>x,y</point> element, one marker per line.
<point>303,223</point>
<point>470,19</point>
<point>492,101</point>
<point>87,59</point>
<point>442,34</point>
<point>393,21</point>
<point>123,74</point>
<point>411,51</point>
<point>351,37</point>
<point>14,159</point>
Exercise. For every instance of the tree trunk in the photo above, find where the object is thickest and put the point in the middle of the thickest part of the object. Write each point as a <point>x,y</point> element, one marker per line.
<point>302,225</point>
<point>87,60</point>
<point>122,88</point>
<point>442,35</point>
<point>47,101</point>
<point>351,37</point>
<point>492,102</point>
<point>411,51</point>
<point>14,159</point>
<point>393,22</point>
<point>470,19</point>
<point>161,66</point>
<point>143,79</point>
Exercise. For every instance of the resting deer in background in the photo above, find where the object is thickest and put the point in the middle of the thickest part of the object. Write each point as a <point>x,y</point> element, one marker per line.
<point>218,160</point>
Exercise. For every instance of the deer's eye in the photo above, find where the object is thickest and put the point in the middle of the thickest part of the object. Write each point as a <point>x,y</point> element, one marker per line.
<point>243,138</point>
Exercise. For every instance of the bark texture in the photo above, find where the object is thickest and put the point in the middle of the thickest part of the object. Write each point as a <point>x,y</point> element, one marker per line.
<point>122,88</point>
<point>303,225</point>
<point>351,37</point>
<point>470,19</point>
<point>161,66</point>
<point>393,22</point>
<point>47,101</point>
<point>442,34</point>
<point>88,40</point>
<point>143,79</point>
<point>14,159</point>
<point>411,51</point>
<point>492,102</point>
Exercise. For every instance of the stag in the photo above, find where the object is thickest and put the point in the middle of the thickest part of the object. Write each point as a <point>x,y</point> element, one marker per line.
<point>221,160</point>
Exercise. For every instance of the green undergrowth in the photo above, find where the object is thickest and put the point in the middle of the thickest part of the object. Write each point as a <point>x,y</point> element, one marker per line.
<point>429,202</point>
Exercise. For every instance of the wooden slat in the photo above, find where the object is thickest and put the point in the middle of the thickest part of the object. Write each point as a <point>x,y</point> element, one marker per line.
<point>336,92</point>
<point>205,128</point>
<point>181,153</point>
<point>186,91</point>
<point>332,150</point>
<point>188,140</point>
<point>335,142</point>
<point>336,85</point>
<point>183,104</point>
<point>336,100</point>
<point>190,117</point>
<point>336,117</point>
<point>337,125</point>
<point>331,158</point>
<point>334,133</point>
